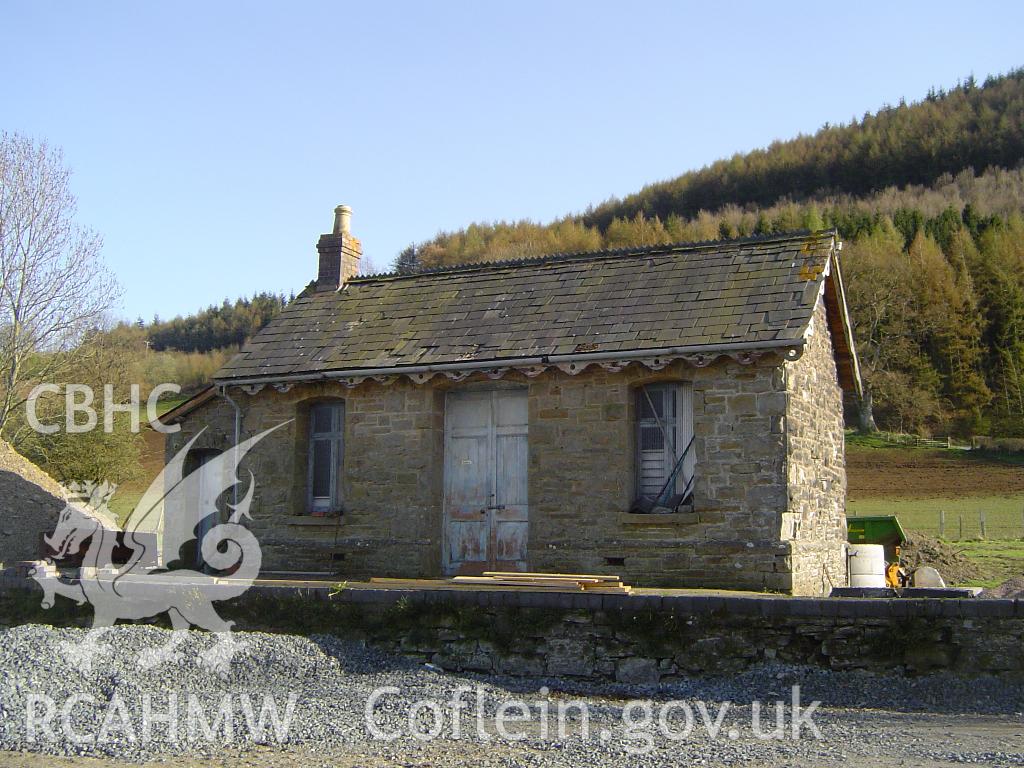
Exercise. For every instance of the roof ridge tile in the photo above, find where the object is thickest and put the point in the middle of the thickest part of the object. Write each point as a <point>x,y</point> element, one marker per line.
<point>585,256</point>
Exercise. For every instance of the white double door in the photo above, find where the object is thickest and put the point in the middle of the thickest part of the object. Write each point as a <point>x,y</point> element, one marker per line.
<point>486,514</point>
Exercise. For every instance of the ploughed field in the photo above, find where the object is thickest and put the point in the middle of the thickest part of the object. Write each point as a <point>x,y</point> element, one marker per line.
<point>916,484</point>
<point>920,473</point>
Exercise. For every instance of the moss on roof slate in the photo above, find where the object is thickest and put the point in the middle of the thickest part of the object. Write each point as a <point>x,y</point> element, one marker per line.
<point>737,292</point>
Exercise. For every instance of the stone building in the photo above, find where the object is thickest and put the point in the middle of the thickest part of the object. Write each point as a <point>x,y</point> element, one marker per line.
<point>671,414</point>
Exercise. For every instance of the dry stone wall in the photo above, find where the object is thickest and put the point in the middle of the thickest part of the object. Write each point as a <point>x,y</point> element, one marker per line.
<point>639,638</point>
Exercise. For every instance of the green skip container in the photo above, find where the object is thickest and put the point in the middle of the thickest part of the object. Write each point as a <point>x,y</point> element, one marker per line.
<point>877,529</point>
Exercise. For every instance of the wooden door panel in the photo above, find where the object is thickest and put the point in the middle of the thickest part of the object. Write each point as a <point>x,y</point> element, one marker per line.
<point>209,491</point>
<point>510,526</point>
<point>469,412</point>
<point>467,542</point>
<point>510,409</point>
<point>469,481</point>
<point>510,470</point>
<point>510,539</point>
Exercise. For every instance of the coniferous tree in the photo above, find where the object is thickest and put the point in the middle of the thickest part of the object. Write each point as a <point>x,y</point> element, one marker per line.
<point>408,261</point>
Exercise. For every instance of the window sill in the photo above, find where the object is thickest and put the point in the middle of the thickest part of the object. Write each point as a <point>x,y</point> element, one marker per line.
<point>686,516</point>
<point>314,521</point>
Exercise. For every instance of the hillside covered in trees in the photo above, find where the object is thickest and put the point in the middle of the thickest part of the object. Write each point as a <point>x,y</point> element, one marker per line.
<point>185,351</point>
<point>214,328</point>
<point>929,198</point>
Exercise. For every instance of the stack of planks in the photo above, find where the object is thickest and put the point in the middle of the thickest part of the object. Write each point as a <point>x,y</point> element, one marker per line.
<point>533,582</point>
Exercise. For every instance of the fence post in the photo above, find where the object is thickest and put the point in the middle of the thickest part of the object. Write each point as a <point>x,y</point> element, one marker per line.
<point>961,528</point>
<point>942,523</point>
<point>981,523</point>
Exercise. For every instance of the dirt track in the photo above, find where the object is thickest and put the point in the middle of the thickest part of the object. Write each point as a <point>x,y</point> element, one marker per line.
<point>915,473</point>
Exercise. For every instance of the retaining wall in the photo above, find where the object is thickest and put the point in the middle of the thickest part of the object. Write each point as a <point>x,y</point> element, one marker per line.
<point>644,639</point>
<point>651,639</point>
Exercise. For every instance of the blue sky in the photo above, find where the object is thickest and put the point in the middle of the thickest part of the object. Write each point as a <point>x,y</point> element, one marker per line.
<point>211,141</point>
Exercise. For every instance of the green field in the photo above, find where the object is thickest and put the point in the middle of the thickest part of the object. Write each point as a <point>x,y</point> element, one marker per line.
<point>1001,553</point>
<point>1002,559</point>
<point>1004,515</point>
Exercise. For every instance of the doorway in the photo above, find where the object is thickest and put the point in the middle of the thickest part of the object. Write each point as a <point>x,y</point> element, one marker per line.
<point>486,515</point>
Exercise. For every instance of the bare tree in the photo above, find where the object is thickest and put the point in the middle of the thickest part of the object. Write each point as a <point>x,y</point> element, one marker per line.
<point>53,285</point>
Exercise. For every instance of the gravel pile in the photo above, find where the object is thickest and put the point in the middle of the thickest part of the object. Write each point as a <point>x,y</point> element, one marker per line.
<point>14,462</point>
<point>332,680</point>
<point>30,501</point>
<point>1009,589</point>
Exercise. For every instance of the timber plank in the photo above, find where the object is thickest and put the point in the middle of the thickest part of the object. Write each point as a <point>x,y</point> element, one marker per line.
<point>532,575</point>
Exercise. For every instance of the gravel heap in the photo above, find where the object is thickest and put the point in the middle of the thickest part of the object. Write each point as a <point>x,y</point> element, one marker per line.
<point>12,461</point>
<point>333,679</point>
<point>30,501</point>
<point>1009,589</point>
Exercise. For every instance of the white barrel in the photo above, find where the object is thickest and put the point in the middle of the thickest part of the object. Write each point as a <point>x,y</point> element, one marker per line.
<point>867,565</point>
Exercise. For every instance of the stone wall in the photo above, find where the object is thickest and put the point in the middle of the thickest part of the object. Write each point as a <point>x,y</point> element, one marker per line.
<point>391,484</point>
<point>581,475</point>
<point>648,646</point>
<point>637,638</point>
<point>582,481</point>
<point>815,521</point>
<point>660,638</point>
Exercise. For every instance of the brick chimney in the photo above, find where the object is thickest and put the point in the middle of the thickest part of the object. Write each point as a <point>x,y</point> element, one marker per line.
<point>339,253</point>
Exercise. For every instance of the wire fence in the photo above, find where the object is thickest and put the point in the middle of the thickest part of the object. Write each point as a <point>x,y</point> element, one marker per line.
<point>902,438</point>
<point>957,526</point>
<point>965,525</point>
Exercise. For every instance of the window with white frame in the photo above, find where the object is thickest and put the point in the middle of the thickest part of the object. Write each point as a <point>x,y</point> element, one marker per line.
<point>665,457</point>
<point>326,445</point>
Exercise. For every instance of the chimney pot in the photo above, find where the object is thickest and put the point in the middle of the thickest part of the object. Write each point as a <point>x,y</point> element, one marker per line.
<point>342,219</point>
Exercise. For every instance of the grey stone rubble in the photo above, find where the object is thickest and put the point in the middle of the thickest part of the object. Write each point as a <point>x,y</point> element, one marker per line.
<point>31,502</point>
<point>333,680</point>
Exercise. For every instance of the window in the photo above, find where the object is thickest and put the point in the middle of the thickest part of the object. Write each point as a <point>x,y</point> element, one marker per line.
<point>326,442</point>
<point>665,460</point>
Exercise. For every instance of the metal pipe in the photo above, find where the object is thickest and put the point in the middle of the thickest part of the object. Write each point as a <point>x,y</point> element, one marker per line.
<point>469,365</point>
<point>222,390</point>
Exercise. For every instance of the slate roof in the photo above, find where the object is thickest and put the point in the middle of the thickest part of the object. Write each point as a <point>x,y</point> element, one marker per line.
<point>744,293</point>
